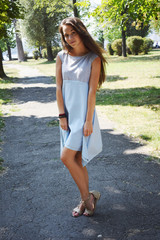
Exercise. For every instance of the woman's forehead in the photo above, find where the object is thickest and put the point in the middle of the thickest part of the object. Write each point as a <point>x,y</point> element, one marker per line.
<point>67,28</point>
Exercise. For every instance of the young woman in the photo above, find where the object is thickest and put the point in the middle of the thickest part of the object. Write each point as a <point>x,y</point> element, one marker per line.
<point>79,72</point>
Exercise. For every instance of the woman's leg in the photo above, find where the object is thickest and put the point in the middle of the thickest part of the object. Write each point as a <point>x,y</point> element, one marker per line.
<point>78,173</point>
<point>78,159</point>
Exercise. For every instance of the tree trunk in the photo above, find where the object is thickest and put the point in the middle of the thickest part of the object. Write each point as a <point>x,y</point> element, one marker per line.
<point>49,52</point>
<point>21,56</point>
<point>2,73</point>
<point>124,54</point>
<point>75,10</point>
<point>9,52</point>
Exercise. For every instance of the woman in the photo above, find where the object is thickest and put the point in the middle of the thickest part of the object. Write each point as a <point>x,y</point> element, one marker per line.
<point>79,72</point>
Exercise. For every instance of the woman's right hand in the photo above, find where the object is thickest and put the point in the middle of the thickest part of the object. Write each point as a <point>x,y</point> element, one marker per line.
<point>63,123</point>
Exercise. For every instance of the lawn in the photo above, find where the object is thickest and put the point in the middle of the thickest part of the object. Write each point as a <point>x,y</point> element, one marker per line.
<point>130,96</point>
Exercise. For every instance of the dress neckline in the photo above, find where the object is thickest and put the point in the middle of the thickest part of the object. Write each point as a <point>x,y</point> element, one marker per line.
<point>78,56</point>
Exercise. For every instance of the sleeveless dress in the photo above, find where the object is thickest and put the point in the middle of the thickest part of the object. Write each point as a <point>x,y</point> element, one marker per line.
<point>76,74</point>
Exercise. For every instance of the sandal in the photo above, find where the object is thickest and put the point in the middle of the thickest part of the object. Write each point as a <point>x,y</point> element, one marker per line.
<point>96,196</point>
<point>79,210</point>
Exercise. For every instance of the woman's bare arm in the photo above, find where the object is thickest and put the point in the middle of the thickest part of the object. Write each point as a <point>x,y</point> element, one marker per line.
<point>60,102</point>
<point>93,83</point>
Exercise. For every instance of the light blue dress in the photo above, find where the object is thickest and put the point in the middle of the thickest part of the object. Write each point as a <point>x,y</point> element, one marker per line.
<point>76,74</point>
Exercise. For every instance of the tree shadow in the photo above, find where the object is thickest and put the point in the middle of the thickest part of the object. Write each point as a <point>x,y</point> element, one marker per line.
<point>37,94</point>
<point>129,97</point>
<point>136,58</point>
<point>113,78</point>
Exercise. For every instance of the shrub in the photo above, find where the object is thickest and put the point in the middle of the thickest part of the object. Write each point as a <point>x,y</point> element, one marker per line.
<point>109,49</point>
<point>35,54</point>
<point>147,45</point>
<point>25,55</point>
<point>135,43</point>
<point>117,46</point>
<point>44,53</point>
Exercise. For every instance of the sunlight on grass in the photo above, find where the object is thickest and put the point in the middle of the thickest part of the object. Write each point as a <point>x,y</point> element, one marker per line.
<point>131,97</point>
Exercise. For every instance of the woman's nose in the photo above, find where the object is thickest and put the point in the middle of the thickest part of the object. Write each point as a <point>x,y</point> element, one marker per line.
<point>70,36</point>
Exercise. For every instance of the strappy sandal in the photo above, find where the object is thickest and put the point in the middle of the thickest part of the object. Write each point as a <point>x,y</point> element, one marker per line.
<point>96,196</point>
<point>77,211</point>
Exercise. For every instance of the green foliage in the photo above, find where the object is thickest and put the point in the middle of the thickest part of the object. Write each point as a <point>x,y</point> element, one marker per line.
<point>109,49</point>
<point>135,44</point>
<point>9,38</point>
<point>117,46</point>
<point>112,32</point>
<point>36,54</point>
<point>155,23</point>
<point>40,26</point>
<point>134,28</point>
<point>44,52</point>
<point>9,10</point>
<point>147,45</point>
<point>120,12</point>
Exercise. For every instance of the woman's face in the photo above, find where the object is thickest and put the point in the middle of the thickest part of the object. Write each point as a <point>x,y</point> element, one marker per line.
<point>71,36</point>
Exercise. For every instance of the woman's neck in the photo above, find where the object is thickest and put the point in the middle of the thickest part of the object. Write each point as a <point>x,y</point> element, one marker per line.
<point>80,51</point>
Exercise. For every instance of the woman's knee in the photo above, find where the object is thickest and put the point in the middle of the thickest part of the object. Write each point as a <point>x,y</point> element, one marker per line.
<point>64,159</point>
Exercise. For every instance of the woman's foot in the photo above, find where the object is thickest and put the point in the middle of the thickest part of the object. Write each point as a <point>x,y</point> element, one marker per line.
<point>79,210</point>
<point>90,203</point>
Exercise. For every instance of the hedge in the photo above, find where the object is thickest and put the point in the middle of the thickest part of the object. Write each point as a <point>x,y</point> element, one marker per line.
<point>117,46</point>
<point>135,44</point>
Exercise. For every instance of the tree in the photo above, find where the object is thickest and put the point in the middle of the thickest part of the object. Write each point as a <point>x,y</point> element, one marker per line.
<point>8,42</point>
<point>120,11</point>
<point>20,50</point>
<point>9,10</point>
<point>75,10</point>
<point>40,24</point>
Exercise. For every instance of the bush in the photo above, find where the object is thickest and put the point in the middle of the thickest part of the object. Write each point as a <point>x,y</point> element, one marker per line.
<point>25,55</point>
<point>35,54</point>
<point>117,46</point>
<point>44,53</point>
<point>135,43</point>
<point>109,49</point>
<point>147,45</point>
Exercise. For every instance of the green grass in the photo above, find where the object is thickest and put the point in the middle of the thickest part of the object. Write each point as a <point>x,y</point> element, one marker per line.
<point>131,97</point>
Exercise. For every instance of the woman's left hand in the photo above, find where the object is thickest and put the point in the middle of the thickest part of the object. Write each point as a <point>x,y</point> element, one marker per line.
<point>87,129</point>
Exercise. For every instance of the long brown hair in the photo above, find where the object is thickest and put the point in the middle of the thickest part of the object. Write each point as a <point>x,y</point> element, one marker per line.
<point>88,42</point>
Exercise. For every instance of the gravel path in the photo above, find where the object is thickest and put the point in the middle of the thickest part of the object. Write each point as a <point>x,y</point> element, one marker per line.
<point>38,193</point>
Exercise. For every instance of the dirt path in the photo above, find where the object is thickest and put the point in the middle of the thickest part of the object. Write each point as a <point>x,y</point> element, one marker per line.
<point>38,193</point>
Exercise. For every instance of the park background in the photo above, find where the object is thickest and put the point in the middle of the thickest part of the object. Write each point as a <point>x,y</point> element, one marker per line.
<point>128,30</point>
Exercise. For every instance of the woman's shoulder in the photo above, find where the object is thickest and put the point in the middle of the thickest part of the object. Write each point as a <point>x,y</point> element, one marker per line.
<point>61,54</point>
<point>92,56</point>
